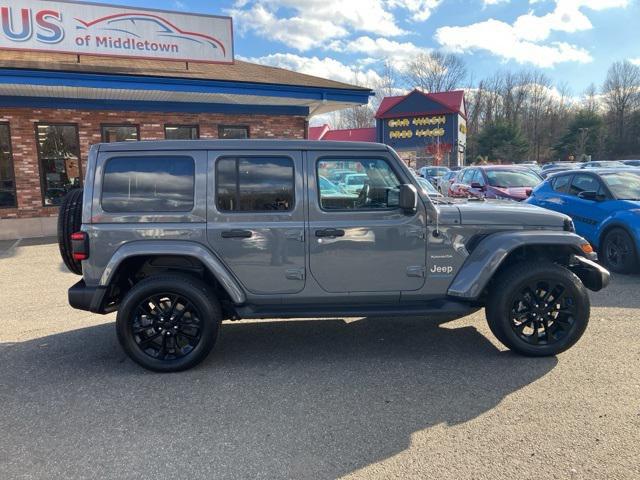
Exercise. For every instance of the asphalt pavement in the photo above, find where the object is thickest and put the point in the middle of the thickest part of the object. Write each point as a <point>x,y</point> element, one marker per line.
<point>320,399</point>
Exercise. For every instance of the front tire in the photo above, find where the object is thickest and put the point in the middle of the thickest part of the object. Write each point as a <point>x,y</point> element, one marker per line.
<point>619,252</point>
<point>168,323</point>
<point>538,308</point>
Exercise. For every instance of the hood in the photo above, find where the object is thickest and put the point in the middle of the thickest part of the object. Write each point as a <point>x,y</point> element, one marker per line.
<point>505,212</point>
<point>518,193</point>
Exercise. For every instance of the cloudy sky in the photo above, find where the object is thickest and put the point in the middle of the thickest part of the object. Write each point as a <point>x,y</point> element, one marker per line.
<point>573,41</point>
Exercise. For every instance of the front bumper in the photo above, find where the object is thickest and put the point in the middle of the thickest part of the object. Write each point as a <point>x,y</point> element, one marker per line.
<point>593,275</point>
<point>91,299</point>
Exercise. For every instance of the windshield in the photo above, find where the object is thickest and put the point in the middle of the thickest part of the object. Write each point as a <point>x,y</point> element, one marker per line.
<point>356,179</point>
<point>426,185</point>
<point>327,186</point>
<point>436,171</point>
<point>512,178</point>
<point>623,185</point>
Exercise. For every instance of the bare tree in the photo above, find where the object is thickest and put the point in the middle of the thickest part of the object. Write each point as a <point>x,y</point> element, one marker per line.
<point>357,117</point>
<point>621,92</point>
<point>388,85</point>
<point>435,72</point>
<point>590,101</point>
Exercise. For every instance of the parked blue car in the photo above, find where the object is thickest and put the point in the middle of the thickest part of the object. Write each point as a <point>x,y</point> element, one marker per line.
<point>605,207</point>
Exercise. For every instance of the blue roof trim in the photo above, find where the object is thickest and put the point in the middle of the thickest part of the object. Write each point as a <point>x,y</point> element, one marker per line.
<point>188,85</point>
<point>143,106</point>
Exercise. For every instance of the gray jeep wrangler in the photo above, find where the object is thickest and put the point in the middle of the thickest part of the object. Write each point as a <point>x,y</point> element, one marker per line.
<point>180,235</point>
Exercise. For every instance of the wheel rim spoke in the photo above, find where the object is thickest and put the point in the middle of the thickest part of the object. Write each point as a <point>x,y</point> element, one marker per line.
<point>542,312</point>
<point>159,325</point>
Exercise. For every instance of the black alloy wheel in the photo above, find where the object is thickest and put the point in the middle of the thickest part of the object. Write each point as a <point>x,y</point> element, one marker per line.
<point>537,308</point>
<point>166,326</point>
<point>619,252</point>
<point>168,322</point>
<point>542,312</point>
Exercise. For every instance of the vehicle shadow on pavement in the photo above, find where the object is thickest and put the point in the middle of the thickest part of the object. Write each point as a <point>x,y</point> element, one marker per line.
<point>279,399</point>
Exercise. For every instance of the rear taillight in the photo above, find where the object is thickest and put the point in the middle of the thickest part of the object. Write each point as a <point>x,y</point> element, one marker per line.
<point>80,246</point>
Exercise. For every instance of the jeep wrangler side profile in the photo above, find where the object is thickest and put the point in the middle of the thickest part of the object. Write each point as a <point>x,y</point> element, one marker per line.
<point>180,235</point>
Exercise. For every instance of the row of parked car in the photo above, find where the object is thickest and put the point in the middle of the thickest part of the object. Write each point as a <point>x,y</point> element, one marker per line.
<point>602,198</point>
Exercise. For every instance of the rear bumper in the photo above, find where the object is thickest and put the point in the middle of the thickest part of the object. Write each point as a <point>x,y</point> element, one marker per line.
<point>91,299</point>
<point>594,276</point>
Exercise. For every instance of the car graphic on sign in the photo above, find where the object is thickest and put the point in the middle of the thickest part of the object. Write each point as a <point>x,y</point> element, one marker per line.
<point>159,27</point>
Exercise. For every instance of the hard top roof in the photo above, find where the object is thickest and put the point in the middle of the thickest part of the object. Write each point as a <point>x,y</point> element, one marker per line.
<point>249,144</point>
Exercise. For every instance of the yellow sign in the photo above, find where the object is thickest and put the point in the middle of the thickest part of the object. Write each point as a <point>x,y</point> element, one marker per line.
<point>429,120</point>
<point>403,122</point>
<point>401,134</point>
<point>434,132</point>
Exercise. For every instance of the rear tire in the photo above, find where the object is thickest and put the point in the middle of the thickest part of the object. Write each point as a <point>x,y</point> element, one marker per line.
<point>538,308</point>
<point>168,323</point>
<point>70,221</point>
<point>619,251</point>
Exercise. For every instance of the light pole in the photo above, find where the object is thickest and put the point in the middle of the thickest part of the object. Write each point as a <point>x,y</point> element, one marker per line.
<point>583,134</point>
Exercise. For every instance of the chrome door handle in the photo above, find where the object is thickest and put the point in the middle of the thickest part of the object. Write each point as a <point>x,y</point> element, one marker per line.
<point>237,234</point>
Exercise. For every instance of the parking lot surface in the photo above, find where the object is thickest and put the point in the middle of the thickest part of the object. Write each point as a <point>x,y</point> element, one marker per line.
<point>355,398</point>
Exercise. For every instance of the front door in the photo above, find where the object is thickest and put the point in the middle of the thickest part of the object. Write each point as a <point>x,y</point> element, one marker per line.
<point>586,214</point>
<point>255,219</point>
<point>360,241</point>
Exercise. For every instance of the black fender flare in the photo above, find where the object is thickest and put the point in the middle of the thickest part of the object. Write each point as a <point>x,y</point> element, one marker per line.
<point>176,248</point>
<point>485,259</point>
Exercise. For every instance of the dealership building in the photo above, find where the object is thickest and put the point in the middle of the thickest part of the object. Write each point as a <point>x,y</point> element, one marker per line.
<point>72,75</point>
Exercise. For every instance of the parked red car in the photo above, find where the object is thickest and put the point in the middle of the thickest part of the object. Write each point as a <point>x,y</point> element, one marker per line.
<point>506,182</point>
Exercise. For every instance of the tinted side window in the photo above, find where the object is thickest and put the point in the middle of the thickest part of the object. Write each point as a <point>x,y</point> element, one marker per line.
<point>583,183</point>
<point>370,184</point>
<point>561,184</point>
<point>148,184</point>
<point>255,184</point>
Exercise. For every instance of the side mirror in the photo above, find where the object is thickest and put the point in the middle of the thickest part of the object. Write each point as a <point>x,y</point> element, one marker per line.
<point>588,195</point>
<point>408,200</point>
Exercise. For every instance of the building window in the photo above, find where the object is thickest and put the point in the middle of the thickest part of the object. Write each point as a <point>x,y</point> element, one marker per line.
<point>181,132</point>
<point>148,184</point>
<point>120,133</point>
<point>254,184</point>
<point>7,178</point>
<point>233,131</point>
<point>59,157</point>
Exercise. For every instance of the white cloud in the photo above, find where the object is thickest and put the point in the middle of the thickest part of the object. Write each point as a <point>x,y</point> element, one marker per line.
<point>320,67</point>
<point>635,61</point>
<point>494,2</point>
<point>420,10</point>
<point>376,49</point>
<point>501,39</point>
<point>523,40</point>
<point>307,24</point>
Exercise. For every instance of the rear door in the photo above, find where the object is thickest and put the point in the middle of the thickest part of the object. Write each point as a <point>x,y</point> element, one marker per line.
<point>363,242</point>
<point>255,218</point>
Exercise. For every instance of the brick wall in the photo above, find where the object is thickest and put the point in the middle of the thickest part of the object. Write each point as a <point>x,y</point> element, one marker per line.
<point>22,123</point>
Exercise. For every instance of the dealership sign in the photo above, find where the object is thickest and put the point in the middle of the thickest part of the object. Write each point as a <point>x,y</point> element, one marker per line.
<point>95,29</point>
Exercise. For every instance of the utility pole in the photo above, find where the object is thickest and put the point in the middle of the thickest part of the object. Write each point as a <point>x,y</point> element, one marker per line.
<point>583,134</point>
